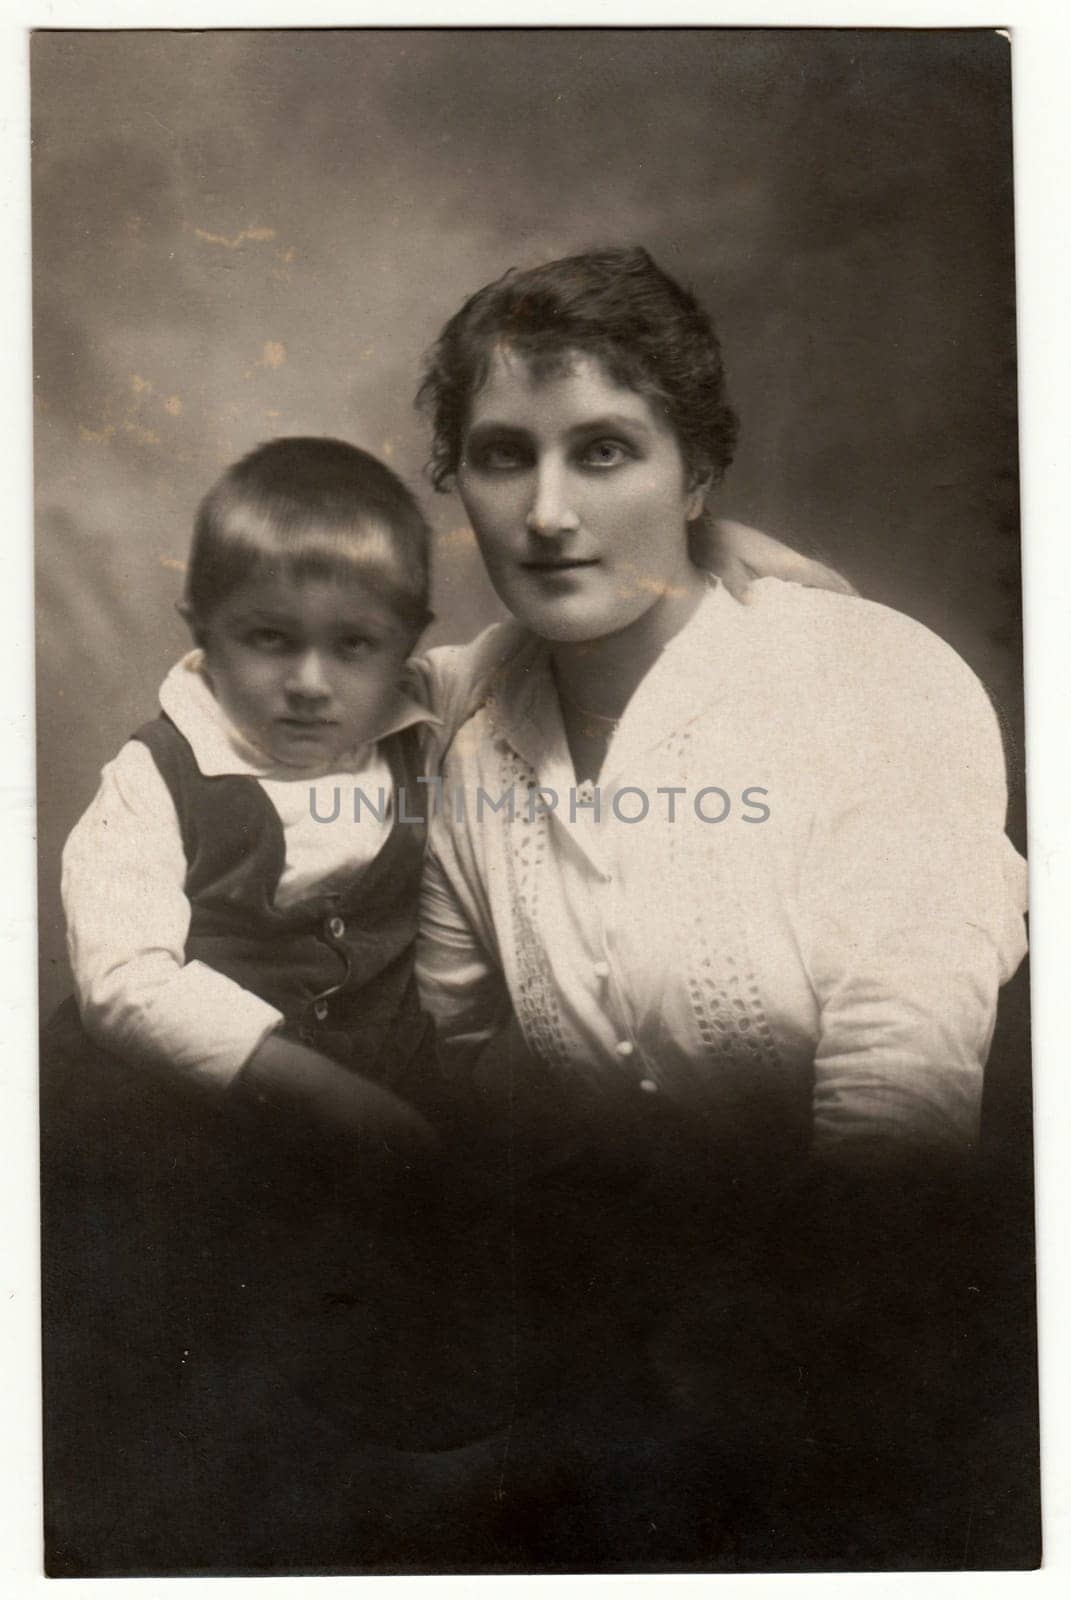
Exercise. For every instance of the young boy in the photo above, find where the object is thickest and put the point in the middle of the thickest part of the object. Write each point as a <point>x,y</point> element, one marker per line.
<point>219,928</point>
<point>245,992</point>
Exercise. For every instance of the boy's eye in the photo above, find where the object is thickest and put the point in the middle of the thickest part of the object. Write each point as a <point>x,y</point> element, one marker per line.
<point>354,645</point>
<point>272,640</point>
<point>605,453</point>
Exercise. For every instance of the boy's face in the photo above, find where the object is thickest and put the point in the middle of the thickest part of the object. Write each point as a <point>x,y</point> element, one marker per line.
<point>307,669</point>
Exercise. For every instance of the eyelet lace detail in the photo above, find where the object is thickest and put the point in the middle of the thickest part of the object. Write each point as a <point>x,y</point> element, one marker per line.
<point>527,840</point>
<point>726,1004</point>
<point>731,1025</point>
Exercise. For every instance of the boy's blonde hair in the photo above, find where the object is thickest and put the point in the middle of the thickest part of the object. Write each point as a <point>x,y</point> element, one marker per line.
<point>310,507</point>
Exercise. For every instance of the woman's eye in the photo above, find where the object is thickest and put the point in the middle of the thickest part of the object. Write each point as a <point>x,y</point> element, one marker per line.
<point>500,455</point>
<point>605,453</point>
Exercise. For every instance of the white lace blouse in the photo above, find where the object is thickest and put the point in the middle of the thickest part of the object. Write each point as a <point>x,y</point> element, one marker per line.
<point>795,905</point>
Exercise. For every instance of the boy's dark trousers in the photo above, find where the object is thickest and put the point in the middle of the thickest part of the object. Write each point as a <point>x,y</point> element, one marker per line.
<point>193,1252</point>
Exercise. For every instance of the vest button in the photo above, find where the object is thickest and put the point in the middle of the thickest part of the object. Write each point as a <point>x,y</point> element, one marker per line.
<point>625,1047</point>
<point>648,1085</point>
<point>319,1010</point>
<point>336,927</point>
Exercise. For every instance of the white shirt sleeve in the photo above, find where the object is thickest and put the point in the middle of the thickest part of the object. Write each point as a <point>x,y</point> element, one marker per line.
<point>128,918</point>
<point>911,901</point>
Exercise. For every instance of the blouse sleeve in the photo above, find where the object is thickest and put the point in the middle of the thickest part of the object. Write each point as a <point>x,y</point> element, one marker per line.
<point>911,903</point>
<point>128,917</point>
<point>461,984</point>
<point>452,680</point>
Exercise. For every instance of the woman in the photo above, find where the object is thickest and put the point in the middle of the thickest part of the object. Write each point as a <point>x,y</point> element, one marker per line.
<point>723,963</point>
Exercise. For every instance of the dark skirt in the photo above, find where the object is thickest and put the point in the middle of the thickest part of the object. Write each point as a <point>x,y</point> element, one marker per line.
<point>261,1357</point>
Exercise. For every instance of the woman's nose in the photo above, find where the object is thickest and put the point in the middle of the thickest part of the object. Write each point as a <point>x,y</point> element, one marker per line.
<point>551,512</point>
<point>307,677</point>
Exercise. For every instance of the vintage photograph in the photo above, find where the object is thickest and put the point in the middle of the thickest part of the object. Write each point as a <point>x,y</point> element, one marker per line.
<point>535,1064</point>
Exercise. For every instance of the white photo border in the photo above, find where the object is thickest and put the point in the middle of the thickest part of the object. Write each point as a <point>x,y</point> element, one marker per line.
<point>1041,38</point>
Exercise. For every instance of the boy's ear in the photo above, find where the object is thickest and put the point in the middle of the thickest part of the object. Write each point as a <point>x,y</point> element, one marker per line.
<point>186,612</point>
<point>420,630</point>
<point>415,634</point>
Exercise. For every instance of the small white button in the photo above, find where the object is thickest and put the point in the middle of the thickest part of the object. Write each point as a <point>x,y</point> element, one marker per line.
<point>336,927</point>
<point>601,969</point>
<point>648,1085</point>
<point>625,1047</point>
<point>319,1010</point>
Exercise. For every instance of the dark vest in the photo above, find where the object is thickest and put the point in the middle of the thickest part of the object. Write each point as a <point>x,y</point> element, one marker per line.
<point>181,1223</point>
<point>339,965</point>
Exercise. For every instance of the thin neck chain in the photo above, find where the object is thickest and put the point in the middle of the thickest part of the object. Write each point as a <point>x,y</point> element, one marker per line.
<point>586,711</point>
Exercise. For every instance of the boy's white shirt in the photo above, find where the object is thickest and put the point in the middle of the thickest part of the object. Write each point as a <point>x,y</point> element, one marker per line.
<point>124,871</point>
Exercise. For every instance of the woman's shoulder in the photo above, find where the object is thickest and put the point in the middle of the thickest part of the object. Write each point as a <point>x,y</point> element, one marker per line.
<point>861,681</point>
<point>492,646</point>
<point>455,680</point>
<point>859,646</point>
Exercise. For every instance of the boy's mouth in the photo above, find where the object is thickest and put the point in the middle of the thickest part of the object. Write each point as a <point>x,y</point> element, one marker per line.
<point>560,564</point>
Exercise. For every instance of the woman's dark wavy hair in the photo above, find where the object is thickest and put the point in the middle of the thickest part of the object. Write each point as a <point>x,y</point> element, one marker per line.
<point>648,332</point>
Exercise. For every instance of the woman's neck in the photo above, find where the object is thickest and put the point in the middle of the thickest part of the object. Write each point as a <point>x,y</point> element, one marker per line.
<point>599,676</point>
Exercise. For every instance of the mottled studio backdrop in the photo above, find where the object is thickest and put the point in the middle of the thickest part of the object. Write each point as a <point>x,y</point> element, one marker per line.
<point>241,234</point>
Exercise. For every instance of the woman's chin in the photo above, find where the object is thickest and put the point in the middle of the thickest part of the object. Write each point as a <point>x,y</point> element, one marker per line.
<point>569,620</point>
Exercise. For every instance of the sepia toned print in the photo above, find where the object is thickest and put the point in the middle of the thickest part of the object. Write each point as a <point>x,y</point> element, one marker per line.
<point>534,1068</point>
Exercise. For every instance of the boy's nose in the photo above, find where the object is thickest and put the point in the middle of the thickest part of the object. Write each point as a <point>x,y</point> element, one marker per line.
<point>551,512</point>
<point>307,677</point>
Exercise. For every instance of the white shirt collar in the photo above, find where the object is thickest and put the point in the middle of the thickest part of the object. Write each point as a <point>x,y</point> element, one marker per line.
<point>220,750</point>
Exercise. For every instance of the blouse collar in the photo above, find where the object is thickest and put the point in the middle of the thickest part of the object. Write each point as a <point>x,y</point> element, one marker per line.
<point>220,750</point>
<point>706,661</point>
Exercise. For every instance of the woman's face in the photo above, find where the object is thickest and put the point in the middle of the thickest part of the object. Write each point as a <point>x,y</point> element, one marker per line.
<point>579,498</point>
